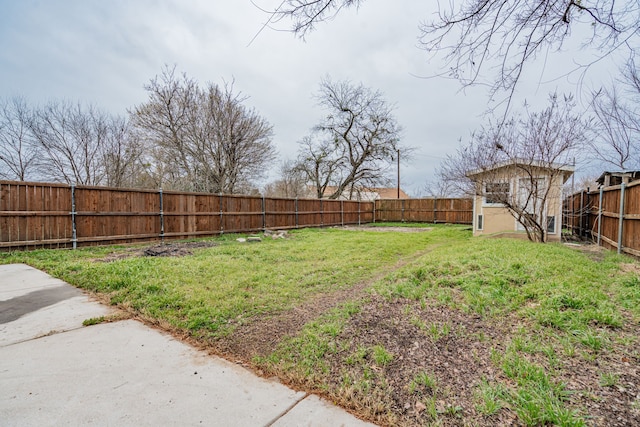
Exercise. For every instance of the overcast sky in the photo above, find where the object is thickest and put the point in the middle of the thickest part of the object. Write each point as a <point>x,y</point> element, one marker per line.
<point>103,52</point>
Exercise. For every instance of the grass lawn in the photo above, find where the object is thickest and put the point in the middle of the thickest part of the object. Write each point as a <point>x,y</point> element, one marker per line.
<point>402,328</point>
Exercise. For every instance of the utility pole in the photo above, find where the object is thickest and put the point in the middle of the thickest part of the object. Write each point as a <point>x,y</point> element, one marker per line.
<point>398,173</point>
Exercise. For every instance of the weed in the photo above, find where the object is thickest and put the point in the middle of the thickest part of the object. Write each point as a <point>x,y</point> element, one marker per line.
<point>357,357</point>
<point>489,398</point>
<point>432,408</point>
<point>609,379</point>
<point>418,322</point>
<point>591,339</point>
<point>423,382</point>
<point>537,399</point>
<point>453,410</point>
<point>436,331</point>
<point>93,321</point>
<point>381,356</point>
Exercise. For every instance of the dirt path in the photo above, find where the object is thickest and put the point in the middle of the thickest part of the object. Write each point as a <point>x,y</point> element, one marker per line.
<point>261,336</point>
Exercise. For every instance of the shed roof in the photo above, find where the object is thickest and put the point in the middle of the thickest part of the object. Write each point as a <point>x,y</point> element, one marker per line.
<point>567,170</point>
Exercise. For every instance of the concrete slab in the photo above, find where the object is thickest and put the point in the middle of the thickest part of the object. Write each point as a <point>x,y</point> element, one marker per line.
<point>124,373</point>
<point>34,304</point>
<point>316,412</point>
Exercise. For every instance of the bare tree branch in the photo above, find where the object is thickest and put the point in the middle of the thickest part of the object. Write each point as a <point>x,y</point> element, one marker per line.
<point>354,144</point>
<point>18,153</point>
<point>203,139</point>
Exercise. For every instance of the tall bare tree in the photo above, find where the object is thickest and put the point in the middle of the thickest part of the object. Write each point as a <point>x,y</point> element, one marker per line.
<point>204,139</point>
<point>528,153</point>
<point>355,143</point>
<point>18,153</point>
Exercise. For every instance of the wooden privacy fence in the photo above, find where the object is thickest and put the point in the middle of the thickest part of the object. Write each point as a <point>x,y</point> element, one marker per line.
<point>58,215</point>
<point>609,216</point>
<point>435,210</point>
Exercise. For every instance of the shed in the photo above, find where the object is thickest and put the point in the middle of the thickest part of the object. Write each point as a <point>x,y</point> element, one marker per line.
<point>531,186</point>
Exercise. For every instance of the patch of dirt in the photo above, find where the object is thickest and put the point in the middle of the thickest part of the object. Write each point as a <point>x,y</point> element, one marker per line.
<point>163,250</point>
<point>261,336</point>
<point>630,268</point>
<point>451,347</point>
<point>593,251</point>
<point>461,359</point>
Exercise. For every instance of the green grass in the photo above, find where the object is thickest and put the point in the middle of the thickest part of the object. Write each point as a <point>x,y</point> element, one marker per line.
<point>217,287</point>
<point>550,284</point>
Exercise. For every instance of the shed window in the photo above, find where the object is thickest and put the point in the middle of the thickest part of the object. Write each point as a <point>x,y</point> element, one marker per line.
<point>479,223</point>
<point>551,224</point>
<point>496,192</point>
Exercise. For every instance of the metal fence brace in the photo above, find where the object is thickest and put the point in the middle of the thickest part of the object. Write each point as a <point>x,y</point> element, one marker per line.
<point>621,220</point>
<point>161,215</point>
<point>74,235</point>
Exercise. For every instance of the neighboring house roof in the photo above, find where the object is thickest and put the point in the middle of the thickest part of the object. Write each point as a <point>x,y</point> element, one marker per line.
<point>566,170</point>
<point>373,193</point>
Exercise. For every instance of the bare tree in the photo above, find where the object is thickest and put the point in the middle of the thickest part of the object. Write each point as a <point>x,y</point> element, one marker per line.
<point>441,188</point>
<point>211,141</point>
<point>320,162</point>
<point>356,142</point>
<point>71,138</point>
<point>617,129</point>
<point>18,154</point>
<point>122,155</point>
<point>502,35</point>
<point>516,163</point>
<point>291,184</point>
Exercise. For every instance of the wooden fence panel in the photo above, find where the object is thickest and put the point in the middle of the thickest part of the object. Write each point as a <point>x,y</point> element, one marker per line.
<point>280,213</point>
<point>331,212</point>
<point>112,215</point>
<point>34,215</point>
<point>446,210</point>
<point>582,216</point>
<point>310,212</point>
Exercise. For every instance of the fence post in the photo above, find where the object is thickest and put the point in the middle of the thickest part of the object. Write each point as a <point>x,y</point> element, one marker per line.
<point>221,215</point>
<point>264,215</point>
<point>297,213</point>
<point>600,214</point>
<point>402,211</point>
<point>342,212</point>
<point>621,222</point>
<point>580,223</point>
<point>321,213</point>
<point>359,205</point>
<point>74,234</point>
<point>435,210</point>
<point>161,216</point>
<point>375,202</point>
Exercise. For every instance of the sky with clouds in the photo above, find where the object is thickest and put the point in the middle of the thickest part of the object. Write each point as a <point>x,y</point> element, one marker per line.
<point>104,52</point>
